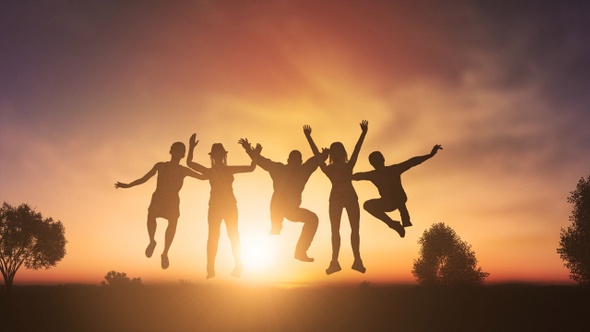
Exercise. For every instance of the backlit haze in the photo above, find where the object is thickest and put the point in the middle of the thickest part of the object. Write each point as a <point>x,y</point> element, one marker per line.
<point>94,93</point>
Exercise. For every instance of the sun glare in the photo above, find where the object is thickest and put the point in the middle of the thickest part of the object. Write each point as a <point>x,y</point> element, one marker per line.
<point>257,251</point>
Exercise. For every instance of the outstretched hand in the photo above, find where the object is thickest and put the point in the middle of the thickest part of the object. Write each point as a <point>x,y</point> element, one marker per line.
<point>435,149</point>
<point>121,185</point>
<point>257,149</point>
<point>245,144</point>
<point>248,146</point>
<point>364,126</point>
<point>307,130</point>
<point>193,141</point>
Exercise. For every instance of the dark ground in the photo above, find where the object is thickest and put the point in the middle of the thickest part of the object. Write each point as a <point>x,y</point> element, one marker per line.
<point>339,308</point>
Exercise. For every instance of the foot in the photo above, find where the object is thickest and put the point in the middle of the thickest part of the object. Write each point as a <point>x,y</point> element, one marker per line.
<point>334,267</point>
<point>150,249</point>
<point>210,273</point>
<point>237,272</point>
<point>165,262</point>
<point>358,265</point>
<point>303,257</point>
<point>397,226</point>
<point>406,223</point>
<point>275,231</point>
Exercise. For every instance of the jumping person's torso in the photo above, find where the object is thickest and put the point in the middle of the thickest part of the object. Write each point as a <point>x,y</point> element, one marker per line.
<point>388,182</point>
<point>221,180</point>
<point>170,179</point>
<point>289,182</point>
<point>340,176</point>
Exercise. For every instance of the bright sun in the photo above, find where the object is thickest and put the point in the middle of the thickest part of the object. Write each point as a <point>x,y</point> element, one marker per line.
<point>257,252</point>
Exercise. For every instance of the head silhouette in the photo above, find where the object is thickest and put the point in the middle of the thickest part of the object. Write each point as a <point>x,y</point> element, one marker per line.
<point>177,150</point>
<point>295,158</point>
<point>218,154</point>
<point>338,153</point>
<point>377,160</point>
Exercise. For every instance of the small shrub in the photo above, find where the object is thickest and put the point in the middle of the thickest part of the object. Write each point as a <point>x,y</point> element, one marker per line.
<point>119,279</point>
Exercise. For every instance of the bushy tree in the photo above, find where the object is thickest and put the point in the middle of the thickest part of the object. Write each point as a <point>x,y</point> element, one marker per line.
<point>26,238</point>
<point>119,279</point>
<point>446,260</point>
<point>575,240</point>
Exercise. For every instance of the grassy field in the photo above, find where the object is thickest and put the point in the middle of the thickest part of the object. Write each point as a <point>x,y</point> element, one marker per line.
<point>189,307</point>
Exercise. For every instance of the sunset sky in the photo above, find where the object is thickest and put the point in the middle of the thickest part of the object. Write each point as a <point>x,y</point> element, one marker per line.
<point>96,92</point>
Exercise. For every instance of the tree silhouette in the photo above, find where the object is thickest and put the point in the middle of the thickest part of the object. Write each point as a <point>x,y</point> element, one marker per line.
<point>119,279</point>
<point>446,260</point>
<point>575,240</point>
<point>28,239</point>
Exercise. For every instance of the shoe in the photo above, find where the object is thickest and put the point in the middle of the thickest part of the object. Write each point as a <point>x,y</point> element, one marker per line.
<point>150,249</point>
<point>165,262</point>
<point>334,267</point>
<point>406,223</point>
<point>358,265</point>
<point>303,257</point>
<point>397,226</point>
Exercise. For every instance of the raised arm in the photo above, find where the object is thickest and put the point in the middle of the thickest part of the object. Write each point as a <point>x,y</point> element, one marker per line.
<point>359,144</point>
<point>189,158</point>
<point>249,150</point>
<point>322,155</point>
<point>254,154</point>
<point>265,163</point>
<point>141,180</point>
<point>420,159</point>
<point>307,132</point>
<point>248,146</point>
<point>311,164</point>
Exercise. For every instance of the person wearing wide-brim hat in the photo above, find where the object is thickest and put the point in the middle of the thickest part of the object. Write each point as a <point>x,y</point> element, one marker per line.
<point>222,202</point>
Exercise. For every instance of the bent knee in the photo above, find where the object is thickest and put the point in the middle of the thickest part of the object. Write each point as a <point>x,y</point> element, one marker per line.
<point>312,219</point>
<point>370,205</point>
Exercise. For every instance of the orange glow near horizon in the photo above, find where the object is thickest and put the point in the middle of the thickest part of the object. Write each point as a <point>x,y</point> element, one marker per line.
<point>93,101</point>
<point>114,238</point>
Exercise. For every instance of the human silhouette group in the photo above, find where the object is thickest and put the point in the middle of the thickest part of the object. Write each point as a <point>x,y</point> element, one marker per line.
<point>289,181</point>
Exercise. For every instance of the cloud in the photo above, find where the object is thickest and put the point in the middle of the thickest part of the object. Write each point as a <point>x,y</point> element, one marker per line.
<point>95,93</point>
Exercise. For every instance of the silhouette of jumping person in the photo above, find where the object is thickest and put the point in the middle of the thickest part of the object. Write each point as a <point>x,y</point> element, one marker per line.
<point>222,203</point>
<point>288,183</point>
<point>387,179</point>
<point>165,200</point>
<point>342,196</point>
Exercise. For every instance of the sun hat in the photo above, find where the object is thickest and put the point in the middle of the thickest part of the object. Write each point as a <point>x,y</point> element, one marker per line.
<point>217,148</point>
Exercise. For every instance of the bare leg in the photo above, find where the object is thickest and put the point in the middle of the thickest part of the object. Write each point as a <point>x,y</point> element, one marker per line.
<point>231,222</point>
<point>355,239</point>
<point>151,227</point>
<point>310,226</point>
<point>405,215</point>
<point>212,241</point>
<point>335,211</point>
<point>376,209</point>
<point>276,218</point>
<point>168,238</point>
